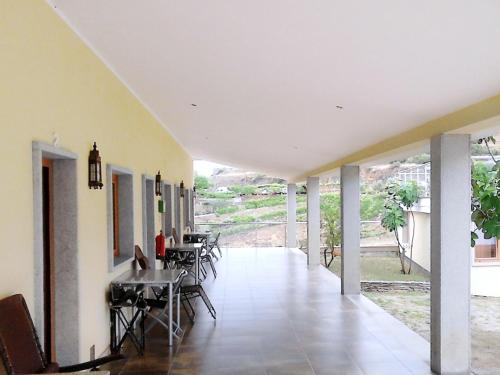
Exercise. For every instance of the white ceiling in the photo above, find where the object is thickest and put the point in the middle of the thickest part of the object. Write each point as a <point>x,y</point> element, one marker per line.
<point>267,75</point>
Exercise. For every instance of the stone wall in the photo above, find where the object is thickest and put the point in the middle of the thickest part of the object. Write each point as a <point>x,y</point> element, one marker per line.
<point>390,286</point>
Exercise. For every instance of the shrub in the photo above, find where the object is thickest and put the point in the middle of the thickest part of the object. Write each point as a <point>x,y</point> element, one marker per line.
<point>243,189</point>
<point>201,183</point>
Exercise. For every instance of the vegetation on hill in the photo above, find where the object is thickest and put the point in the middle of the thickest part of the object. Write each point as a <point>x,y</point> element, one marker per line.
<point>202,183</point>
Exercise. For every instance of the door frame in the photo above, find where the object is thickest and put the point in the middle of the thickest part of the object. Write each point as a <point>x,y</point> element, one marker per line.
<point>66,264</point>
<point>115,183</point>
<point>167,218</point>
<point>148,214</point>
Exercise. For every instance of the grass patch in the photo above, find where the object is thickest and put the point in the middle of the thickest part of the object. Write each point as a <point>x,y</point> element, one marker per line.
<point>266,202</point>
<point>412,308</point>
<point>226,210</point>
<point>381,268</point>
<point>281,214</point>
<point>241,219</point>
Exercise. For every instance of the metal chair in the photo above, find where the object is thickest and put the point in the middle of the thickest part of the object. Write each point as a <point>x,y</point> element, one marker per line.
<point>192,291</point>
<point>185,293</point>
<point>215,244</point>
<point>160,293</point>
<point>122,298</point>
<point>208,255</point>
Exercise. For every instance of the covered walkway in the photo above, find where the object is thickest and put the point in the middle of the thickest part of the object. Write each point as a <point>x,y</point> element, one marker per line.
<point>275,316</point>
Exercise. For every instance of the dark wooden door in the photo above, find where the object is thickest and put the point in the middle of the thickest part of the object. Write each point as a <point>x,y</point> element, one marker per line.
<point>48,259</point>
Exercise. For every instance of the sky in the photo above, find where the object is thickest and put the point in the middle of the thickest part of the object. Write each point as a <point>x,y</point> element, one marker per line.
<point>205,168</point>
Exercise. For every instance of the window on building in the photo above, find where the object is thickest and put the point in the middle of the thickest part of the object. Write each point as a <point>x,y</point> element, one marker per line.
<point>487,252</point>
<point>120,216</point>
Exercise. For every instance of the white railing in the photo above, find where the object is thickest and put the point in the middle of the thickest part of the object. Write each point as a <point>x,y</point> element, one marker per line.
<point>421,174</point>
<point>273,233</point>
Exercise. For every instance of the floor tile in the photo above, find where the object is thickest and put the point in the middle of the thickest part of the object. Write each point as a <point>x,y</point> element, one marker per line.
<point>275,316</point>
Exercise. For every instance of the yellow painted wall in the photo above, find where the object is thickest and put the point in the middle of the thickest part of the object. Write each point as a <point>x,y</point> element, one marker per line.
<point>51,82</point>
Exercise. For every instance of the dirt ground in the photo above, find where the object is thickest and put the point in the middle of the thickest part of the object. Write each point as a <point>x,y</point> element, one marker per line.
<point>413,309</point>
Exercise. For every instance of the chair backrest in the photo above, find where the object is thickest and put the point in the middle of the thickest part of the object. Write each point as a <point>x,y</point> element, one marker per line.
<point>141,258</point>
<point>215,242</point>
<point>174,234</point>
<point>20,348</point>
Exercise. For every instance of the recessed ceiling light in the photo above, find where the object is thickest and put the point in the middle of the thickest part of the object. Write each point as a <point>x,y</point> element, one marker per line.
<point>339,107</point>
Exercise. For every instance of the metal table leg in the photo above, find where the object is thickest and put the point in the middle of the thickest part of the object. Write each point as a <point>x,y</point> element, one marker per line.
<point>179,310</point>
<point>170,318</point>
<point>197,265</point>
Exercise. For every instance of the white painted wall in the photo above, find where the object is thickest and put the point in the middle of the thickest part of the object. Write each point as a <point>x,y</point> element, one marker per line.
<point>421,244</point>
<point>485,279</point>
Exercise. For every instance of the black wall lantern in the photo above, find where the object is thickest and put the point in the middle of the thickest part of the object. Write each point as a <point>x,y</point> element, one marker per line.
<point>95,170</point>
<point>194,191</point>
<point>158,184</point>
<point>181,187</point>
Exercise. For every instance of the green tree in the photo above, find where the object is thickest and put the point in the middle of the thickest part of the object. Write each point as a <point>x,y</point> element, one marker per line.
<point>201,182</point>
<point>332,226</point>
<point>485,202</point>
<point>330,211</point>
<point>372,205</point>
<point>400,196</point>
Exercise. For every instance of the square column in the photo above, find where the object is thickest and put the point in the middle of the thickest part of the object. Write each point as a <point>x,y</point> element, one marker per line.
<point>450,254</point>
<point>291,226</point>
<point>313,221</point>
<point>351,223</point>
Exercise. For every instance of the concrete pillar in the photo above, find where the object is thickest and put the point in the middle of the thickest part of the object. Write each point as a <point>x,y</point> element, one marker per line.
<point>291,226</point>
<point>351,223</point>
<point>450,254</point>
<point>313,221</point>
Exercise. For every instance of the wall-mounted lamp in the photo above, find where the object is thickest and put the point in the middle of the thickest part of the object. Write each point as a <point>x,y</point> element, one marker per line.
<point>158,184</point>
<point>194,191</point>
<point>95,170</point>
<point>181,187</point>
